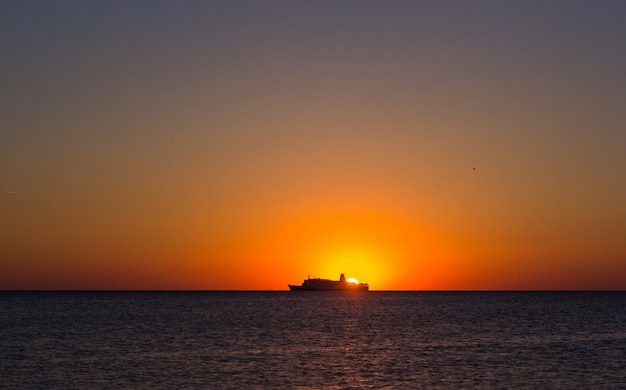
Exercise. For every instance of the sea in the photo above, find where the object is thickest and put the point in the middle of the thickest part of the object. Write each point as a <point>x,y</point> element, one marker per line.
<point>313,340</point>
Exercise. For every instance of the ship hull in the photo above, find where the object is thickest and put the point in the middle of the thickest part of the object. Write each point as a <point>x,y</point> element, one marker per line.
<point>328,288</point>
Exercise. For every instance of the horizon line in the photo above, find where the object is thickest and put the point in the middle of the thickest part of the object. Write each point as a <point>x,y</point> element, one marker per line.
<point>305,292</point>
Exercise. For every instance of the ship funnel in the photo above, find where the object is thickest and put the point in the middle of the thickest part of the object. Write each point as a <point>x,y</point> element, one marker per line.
<point>342,278</point>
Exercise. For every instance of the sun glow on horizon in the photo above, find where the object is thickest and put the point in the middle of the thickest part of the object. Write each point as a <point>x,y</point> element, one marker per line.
<point>352,280</point>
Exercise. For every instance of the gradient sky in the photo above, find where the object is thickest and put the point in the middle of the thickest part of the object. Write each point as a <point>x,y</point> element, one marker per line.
<point>247,144</point>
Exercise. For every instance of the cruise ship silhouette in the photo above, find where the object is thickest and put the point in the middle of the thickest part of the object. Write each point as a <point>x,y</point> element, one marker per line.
<point>317,284</point>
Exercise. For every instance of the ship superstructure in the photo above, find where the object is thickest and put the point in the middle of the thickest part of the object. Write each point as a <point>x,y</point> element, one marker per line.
<point>317,284</point>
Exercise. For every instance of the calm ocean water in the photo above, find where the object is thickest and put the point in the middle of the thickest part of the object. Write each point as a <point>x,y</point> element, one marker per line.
<point>237,340</point>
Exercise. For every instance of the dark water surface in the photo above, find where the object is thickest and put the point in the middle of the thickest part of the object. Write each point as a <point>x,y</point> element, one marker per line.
<point>313,340</point>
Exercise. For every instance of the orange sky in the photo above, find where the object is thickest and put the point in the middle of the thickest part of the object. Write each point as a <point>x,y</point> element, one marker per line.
<point>214,146</point>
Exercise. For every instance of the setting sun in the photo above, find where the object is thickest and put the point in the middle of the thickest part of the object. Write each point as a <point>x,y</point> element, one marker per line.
<point>352,280</point>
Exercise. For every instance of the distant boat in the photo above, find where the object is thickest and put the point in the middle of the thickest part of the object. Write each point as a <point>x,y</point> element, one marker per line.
<point>317,284</point>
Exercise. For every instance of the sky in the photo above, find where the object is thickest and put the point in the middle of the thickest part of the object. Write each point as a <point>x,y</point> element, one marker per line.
<point>225,145</point>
